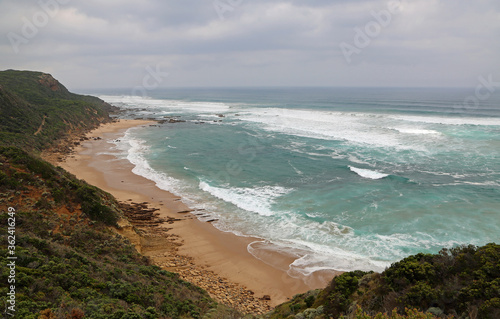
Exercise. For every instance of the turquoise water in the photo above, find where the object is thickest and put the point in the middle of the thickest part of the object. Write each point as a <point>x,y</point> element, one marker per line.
<point>341,178</point>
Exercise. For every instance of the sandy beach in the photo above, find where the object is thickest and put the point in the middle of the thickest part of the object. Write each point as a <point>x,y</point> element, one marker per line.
<point>217,261</point>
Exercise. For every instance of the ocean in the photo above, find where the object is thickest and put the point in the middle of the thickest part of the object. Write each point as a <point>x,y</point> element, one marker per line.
<point>340,178</point>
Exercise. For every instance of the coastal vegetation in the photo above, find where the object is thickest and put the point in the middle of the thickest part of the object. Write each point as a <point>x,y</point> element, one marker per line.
<point>71,263</point>
<point>36,110</point>
<point>463,282</point>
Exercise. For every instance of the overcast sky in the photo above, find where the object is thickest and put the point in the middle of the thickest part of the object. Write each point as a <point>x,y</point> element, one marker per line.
<point>117,43</point>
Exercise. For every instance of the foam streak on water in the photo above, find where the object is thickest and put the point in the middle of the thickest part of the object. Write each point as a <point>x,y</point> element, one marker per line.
<point>339,178</point>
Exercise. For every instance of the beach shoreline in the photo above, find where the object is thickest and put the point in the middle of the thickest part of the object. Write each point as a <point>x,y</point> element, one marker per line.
<point>194,249</point>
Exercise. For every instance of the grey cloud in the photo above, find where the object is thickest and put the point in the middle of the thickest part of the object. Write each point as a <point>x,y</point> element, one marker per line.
<point>259,42</point>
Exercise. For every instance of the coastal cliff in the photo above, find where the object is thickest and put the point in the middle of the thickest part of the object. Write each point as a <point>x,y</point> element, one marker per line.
<point>37,112</point>
<point>72,262</point>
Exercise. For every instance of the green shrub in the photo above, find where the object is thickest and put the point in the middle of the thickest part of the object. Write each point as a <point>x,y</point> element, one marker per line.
<point>66,267</point>
<point>340,292</point>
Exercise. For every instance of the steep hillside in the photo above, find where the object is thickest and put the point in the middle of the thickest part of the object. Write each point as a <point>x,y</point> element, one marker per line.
<point>69,263</point>
<point>36,110</point>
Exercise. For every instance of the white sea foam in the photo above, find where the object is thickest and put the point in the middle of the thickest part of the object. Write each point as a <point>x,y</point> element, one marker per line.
<point>299,172</point>
<point>138,102</point>
<point>310,257</point>
<point>258,200</point>
<point>344,253</point>
<point>201,107</point>
<point>451,174</point>
<point>366,173</point>
<point>448,120</point>
<point>136,148</point>
<point>417,131</point>
<point>360,128</point>
<point>487,183</point>
<point>317,245</point>
<point>338,259</point>
<point>355,159</point>
<point>129,101</point>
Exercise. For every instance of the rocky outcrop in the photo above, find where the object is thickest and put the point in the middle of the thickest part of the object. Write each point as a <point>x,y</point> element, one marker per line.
<point>48,81</point>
